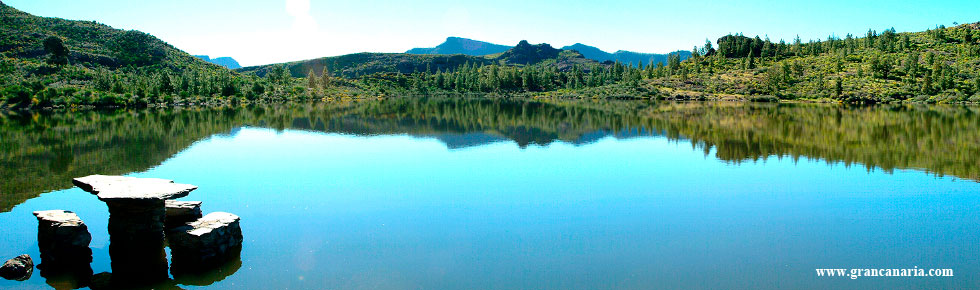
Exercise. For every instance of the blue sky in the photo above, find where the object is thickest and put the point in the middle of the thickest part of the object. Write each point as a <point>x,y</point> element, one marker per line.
<point>268,31</point>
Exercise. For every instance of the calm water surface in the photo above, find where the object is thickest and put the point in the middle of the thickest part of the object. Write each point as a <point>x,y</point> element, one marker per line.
<point>492,194</point>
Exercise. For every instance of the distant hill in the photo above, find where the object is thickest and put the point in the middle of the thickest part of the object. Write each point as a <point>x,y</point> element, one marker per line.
<point>626,57</point>
<point>227,62</point>
<point>360,64</point>
<point>458,45</point>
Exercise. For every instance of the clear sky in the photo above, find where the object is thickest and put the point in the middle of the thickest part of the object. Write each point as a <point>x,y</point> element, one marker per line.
<point>268,31</point>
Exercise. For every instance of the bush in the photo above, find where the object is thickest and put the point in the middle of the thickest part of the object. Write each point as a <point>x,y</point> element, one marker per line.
<point>975,98</point>
<point>110,100</point>
<point>17,95</point>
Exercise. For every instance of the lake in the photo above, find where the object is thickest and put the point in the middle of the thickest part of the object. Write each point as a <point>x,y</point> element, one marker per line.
<point>427,193</point>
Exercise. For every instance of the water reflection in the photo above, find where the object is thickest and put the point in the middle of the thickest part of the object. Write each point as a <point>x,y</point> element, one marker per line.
<point>189,274</point>
<point>41,152</point>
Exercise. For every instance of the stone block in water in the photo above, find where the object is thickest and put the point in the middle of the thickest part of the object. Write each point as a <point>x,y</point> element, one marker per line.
<point>19,268</point>
<point>182,212</point>
<point>207,242</point>
<point>62,238</point>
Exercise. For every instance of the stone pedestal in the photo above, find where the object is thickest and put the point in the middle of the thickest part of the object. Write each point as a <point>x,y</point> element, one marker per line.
<point>208,242</point>
<point>63,240</point>
<point>136,224</point>
<point>137,241</point>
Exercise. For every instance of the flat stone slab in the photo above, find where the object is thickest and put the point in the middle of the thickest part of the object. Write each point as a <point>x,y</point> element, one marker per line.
<point>211,223</point>
<point>182,212</point>
<point>121,188</point>
<point>58,218</point>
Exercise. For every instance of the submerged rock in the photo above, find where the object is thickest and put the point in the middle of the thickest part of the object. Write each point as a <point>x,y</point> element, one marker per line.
<point>182,212</point>
<point>19,268</point>
<point>63,239</point>
<point>207,242</point>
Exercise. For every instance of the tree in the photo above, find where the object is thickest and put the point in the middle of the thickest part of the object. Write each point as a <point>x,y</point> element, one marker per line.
<point>311,79</point>
<point>57,50</point>
<point>325,78</point>
<point>708,49</point>
<point>880,66</point>
<point>838,88</point>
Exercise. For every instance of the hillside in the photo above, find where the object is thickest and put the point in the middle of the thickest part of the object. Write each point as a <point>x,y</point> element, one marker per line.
<point>626,57</point>
<point>89,44</point>
<point>458,45</point>
<point>936,65</point>
<point>226,62</point>
<point>57,62</point>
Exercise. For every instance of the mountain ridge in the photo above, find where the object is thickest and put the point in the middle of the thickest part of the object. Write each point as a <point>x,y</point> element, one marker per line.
<point>466,46</point>
<point>459,45</point>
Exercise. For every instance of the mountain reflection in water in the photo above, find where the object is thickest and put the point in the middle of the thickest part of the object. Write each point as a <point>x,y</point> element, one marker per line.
<point>41,152</point>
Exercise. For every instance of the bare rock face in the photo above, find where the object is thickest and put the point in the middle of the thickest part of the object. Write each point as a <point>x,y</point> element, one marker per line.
<point>207,242</point>
<point>62,238</point>
<point>132,189</point>
<point>182,212</point>
<point>19,268</point>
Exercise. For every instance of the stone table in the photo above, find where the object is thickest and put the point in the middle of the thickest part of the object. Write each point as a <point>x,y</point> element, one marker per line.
<point>136,223</point>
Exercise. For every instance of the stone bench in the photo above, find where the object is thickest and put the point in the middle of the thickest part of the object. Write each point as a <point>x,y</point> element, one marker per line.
<point>207,242</point>
<point>62,238</point>
<point>182,212</point>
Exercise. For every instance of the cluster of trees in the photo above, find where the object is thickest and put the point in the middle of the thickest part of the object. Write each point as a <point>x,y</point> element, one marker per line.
<point>886,66</point>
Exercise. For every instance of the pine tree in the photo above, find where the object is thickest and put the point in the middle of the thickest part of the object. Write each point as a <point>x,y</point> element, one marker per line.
<point>311,79</point>
<point>838,88</point>
<point>325,78</point>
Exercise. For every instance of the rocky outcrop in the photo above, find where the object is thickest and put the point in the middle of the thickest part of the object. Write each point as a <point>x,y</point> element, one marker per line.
<point>182,212</point>
<point>137,213</point>
<point>19,268</point>
<point>207,242</point>
<point>525,53</point>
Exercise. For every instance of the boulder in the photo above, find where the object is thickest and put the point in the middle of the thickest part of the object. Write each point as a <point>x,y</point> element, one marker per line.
<point>19,268</point>
<point>182,212</point>
<point>207,242</point>
<point>62,238</point>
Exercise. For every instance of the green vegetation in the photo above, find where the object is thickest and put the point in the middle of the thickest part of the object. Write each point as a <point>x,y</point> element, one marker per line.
<point>56,63</point>
<point>939,65</point>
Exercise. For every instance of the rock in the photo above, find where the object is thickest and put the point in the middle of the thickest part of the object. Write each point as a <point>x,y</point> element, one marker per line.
<point>136,223</point>
<point>63,239</point>
<point>19,268</point>
<point>207,242</point>
<point>132,189</point>
<point>182,212</point>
